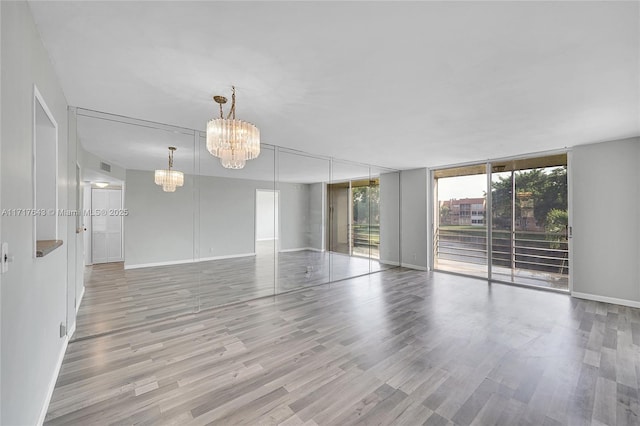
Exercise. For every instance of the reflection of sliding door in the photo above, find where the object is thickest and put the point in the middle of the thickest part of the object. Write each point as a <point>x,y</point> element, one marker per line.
<point>354,218</point>
<point>365,227</point>
<point>339,218</point>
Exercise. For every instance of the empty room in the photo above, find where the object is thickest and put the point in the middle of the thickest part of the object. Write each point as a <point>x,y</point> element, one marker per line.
<point>320,213</point>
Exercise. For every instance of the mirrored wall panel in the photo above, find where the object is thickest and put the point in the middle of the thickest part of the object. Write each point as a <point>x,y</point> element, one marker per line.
<point>170,231</point>
<point>138,204</point>
<point>384,219</point>
<point>348,211</point>
<point>237,213</point>
<point>301,258</point>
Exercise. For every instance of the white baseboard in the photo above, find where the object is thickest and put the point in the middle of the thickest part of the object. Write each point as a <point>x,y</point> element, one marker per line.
<point>180,262</point>
<point>54,379</point>
<point>63,351</point>
<point>410,266</point>
<point>150,265</point>
<point>390,262</point>
<point>230,256</point>
<point>79,300</point>
<point>72,330</point>
<point>301,249</point>
<point>612,300</point>
<point>265,239</point>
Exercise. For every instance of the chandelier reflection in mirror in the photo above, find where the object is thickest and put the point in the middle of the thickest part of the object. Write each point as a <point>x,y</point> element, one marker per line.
<point>233,141</point>
<point>169,179</point>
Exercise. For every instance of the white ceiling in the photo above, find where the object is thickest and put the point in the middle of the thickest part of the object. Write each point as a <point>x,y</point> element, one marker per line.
<point>398,84</point>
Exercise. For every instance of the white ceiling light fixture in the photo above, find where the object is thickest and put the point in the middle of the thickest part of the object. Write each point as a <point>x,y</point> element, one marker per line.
<point>233,141</point>
<point>169,179</point>
<point>101,184</point>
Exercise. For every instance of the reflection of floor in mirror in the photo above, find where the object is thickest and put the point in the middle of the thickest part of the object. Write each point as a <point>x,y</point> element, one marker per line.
<point>116,298</point>
<point>359,250</point>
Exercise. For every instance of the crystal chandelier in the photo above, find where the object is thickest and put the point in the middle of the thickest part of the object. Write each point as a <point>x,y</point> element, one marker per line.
<point>169,179</point>
<point>233,141</point>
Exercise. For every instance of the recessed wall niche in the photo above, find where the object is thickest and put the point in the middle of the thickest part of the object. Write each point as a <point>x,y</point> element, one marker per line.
<point>45,172</point>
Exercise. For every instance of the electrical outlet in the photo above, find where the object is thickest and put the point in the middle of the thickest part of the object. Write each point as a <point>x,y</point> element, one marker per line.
<point>63,329</point>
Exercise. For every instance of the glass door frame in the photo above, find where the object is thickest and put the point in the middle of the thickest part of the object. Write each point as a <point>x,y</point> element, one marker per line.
<point>433,212</point>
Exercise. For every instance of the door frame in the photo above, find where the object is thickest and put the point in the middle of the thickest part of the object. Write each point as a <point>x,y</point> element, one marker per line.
<point>433,208</point>
<point>39,99</point>
<point>276,226</point>
<point>121,188</point>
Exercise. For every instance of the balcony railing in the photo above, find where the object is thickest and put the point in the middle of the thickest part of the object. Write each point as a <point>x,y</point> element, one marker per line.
<point>536,251</point>
<point>366,240</point>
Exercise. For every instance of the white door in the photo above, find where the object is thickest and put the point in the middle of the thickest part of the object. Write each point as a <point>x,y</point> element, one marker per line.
<point>80,232</point>
<point>106,225</point>
<point>86,205</point>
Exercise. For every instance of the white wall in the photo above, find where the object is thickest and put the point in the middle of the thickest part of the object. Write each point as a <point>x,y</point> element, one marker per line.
<point>33,290</point>
<point>214,219</point>
<point>606,214</point>
<point>317,212</point>
<point>294,216</point>
<point>89,161</point>
<point>160,225</point>
<point>390,218</point>
<point>0,208</point>
<point>75,240</point>
<point>413,218</point>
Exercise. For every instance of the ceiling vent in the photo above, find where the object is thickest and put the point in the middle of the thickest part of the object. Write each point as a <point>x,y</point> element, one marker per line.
<point>106,167</point>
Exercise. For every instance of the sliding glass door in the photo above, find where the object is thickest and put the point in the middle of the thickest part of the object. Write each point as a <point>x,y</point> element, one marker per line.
<point>460,237</point>
<point>531,221</point>
<point>528,218</point>
<point>502,250</point>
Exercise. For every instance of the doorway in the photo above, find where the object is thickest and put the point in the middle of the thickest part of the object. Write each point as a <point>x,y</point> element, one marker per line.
<point>267,220</point>
<point>106,225</point>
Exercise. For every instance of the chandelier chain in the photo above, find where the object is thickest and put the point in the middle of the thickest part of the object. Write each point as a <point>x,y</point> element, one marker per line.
<point>232,111</point>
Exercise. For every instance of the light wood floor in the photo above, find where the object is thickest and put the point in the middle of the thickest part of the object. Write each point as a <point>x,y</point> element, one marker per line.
<point>117,299</point>
<point>396,347</point>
